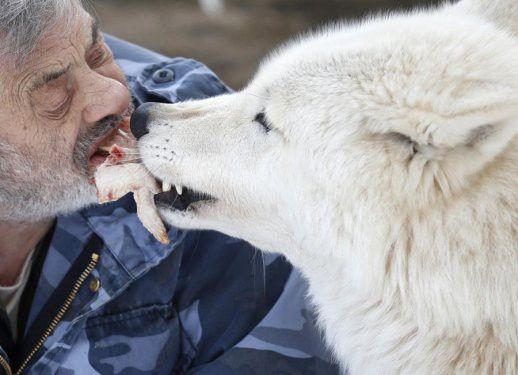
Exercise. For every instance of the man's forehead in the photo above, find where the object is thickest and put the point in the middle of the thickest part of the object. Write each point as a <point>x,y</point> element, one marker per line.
<point>55,51</point>
<point>79,31</point>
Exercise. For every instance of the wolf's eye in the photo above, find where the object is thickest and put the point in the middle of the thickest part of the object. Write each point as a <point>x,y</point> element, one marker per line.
<point>261,120</point>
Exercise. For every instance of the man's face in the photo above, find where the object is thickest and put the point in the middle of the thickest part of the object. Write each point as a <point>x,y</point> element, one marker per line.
<point>67,98</point>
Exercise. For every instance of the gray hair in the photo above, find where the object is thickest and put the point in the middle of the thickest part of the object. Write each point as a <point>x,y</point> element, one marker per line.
<point>24,22</point>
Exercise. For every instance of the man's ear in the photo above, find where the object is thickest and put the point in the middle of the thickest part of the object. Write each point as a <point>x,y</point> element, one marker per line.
<point>503,13</point>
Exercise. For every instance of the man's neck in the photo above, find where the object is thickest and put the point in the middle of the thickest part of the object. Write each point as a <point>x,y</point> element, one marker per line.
<point>17,240</point>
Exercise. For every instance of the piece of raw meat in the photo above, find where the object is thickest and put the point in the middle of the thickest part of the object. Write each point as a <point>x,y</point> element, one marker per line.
<point>116,177</point>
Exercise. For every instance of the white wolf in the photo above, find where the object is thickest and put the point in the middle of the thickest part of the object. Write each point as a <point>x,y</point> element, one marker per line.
<point>382,159</point>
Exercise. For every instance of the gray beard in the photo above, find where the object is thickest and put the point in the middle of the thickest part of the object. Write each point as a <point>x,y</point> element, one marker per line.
<point>33,189</point>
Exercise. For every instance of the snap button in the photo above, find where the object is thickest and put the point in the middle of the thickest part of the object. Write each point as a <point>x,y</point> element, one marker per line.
<point>95,285</point>
<point>163,76</point>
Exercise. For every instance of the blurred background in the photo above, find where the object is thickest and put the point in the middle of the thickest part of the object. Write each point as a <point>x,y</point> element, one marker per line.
<point>230,36</point>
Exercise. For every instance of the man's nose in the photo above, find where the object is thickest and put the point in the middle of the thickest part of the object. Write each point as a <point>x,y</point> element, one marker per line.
<point>105,97</point>
<point>139,120</point>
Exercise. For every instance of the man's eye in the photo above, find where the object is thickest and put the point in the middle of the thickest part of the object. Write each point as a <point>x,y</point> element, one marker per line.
<point>58,112</point>
<point>98,56</point>
<point>58,109</point>
<point>53,98</point>
<point>261,120</point>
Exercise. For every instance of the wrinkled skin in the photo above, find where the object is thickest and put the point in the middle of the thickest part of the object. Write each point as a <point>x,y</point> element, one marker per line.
<point>48,130</point>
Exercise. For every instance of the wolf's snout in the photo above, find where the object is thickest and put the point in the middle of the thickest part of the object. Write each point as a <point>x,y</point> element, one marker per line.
<point>139,120</point>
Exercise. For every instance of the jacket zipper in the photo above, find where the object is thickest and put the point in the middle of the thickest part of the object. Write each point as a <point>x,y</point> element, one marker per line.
<point>61,313</point>
<point>5,366</point>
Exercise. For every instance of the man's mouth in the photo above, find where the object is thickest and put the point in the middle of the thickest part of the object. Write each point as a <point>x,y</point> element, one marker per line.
<point>100,150</point>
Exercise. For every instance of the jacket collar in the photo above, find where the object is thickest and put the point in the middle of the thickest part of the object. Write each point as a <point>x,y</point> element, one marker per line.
<point>128,251</point>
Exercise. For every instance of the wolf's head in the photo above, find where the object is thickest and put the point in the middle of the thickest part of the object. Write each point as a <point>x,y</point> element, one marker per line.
<point>389,116</point>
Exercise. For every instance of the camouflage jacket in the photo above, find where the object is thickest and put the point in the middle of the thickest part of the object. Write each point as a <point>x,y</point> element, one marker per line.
<point>105,297</point>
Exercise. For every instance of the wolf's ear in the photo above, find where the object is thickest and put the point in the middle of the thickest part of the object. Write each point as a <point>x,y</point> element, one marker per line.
<point>503,13</point>
<point>466,91</point>
<point>480,116</point>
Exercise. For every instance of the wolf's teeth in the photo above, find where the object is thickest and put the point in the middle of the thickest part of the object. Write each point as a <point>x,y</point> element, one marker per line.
<point>166,187</point>
<point>105,148</point>
<point>179,189</point>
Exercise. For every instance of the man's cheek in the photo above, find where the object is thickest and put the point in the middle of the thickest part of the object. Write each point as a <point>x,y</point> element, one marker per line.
<point>60,144</point>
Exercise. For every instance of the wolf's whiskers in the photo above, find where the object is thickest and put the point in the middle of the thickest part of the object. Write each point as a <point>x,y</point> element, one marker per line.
<point>132,160</point>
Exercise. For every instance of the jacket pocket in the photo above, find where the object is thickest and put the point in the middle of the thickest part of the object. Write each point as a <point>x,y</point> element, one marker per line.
<point>142,340</point>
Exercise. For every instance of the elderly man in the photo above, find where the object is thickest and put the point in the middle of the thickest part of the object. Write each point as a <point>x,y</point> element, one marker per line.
<point>85,289</point>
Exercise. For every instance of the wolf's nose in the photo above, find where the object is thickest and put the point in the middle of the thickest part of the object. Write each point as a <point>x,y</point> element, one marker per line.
<point>139,119</point>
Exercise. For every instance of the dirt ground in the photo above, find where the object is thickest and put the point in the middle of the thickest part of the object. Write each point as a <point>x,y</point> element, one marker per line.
<point>234,42</point>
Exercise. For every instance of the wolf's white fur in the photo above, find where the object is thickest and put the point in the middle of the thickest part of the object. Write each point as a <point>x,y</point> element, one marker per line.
<point>389,179</point>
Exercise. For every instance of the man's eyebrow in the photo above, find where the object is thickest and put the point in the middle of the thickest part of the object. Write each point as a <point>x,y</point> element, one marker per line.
<point>47,77</point>
<point>50,76</point>
<point>95,31</point>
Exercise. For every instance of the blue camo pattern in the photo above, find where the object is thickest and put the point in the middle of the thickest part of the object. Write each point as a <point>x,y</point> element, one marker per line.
<point>205,304</point>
